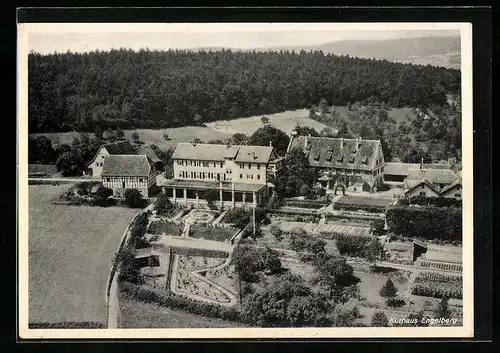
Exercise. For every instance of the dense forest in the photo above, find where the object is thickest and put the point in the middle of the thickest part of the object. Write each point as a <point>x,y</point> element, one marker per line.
<point>160,89</point>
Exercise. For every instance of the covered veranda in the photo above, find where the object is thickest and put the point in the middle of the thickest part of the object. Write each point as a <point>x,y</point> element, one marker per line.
<point>229,194</point>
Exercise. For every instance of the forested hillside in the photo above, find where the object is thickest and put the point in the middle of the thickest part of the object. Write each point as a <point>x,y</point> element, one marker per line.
<point>160,89</point>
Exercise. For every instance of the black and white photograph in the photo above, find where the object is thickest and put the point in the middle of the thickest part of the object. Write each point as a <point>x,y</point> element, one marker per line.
<point>249,180</point>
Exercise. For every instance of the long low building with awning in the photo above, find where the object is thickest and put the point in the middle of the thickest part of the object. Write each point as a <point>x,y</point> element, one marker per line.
<point>229,194</point>
<point>227,174</point>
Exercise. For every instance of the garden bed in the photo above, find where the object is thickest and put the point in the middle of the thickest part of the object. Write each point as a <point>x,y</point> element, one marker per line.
<point>160,227</point>
<point>436,285</point>
<point>217,234</point>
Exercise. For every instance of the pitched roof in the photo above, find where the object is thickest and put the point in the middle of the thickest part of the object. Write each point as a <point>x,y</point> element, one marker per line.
<point>208,152</point>
<point>126,165</point>
<point>119,147</point>
<point>424,181</point>
<point>451,186</point>
<point>403,168</point>
<point>435,176</point>
<point>326,152</point>
<point>148,152</point>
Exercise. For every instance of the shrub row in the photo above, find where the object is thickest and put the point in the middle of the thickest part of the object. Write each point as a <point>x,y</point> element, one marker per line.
<point>310,204</point>
<point>66,325</point>
<point>351,207</point>
<point>426,222</point>
<point>430,201</point>
<point>437,286</point>
<point>171,300</point>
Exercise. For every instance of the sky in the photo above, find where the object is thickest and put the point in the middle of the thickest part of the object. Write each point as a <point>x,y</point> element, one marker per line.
<point>51,38</point>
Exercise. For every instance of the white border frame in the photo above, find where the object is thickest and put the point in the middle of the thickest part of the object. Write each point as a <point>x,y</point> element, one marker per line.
<point>355,332</point>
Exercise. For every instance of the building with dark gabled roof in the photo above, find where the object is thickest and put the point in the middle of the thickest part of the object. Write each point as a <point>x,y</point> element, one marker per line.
<point>121,172</point>
<point>94,168</point>
<point>343,162</point>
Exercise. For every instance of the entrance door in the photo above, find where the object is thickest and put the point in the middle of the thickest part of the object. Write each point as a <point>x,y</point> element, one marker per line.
<point>123,184</point>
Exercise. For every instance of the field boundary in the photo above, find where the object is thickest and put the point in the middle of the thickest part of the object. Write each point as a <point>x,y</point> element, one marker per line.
<point>112,277</point>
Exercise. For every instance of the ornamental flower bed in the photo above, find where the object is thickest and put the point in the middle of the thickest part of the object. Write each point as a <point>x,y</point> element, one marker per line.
<point>430,284</point>
<point>188,283</point>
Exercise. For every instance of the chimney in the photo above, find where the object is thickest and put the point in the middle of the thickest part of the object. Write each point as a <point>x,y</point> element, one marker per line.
<point>193,142</point>
<point>422,163</point>
<point>341,142</point>
<point>228,144</point>
<point>270,143</point>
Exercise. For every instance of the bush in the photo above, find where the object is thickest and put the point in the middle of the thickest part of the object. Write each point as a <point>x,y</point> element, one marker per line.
<point>135,136</point>
<point>444,223</point>
<point>300,241</point>
<point>304,190</point>
<point>162,205</point>
<point>366,187</point>
<point>389,290</point>
<point>379,319</point>
<point>352,245</point>
<point>133,198</point>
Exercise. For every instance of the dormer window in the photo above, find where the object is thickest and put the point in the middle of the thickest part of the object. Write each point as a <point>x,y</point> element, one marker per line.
<point>351,160</point>
<point>340,159</point>
<point>329,156</point>
<point>365,160</point>
<point>316,157</point>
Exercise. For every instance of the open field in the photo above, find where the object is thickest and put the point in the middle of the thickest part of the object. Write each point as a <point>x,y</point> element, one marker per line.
<point>149,136</point>
<point>136,314</point>
<point>70,255</point>
<point>285,121</point>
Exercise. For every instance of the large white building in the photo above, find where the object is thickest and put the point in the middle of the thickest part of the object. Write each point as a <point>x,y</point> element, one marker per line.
<point>240,174</point>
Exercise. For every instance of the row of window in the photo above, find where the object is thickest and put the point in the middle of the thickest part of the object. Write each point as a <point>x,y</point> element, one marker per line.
<point>140,180</point>
<point>192,163</point>
<point>205,164</point>
<point>212,176</point>
<point>242,166</point>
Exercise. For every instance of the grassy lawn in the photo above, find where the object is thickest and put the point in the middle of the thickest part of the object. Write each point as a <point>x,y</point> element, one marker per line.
<point>136,314</point>
<point>370,284</point>
<point>285,121</point>
<point>70,254</point>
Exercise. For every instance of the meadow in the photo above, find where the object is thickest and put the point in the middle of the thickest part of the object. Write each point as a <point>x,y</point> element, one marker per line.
<point>224,129</point>
<point>285,121</point>
<point>70,255</point>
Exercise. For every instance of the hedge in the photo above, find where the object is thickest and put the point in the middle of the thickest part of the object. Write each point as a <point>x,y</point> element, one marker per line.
<point>171,300</point>
<point>309,204</point>
<point>444,223</point>
<point>431,201</point>
<point>66,325</point>
<point>351,207</point>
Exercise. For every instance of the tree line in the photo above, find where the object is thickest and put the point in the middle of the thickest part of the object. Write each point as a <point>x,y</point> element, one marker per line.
<point>160,89</point>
